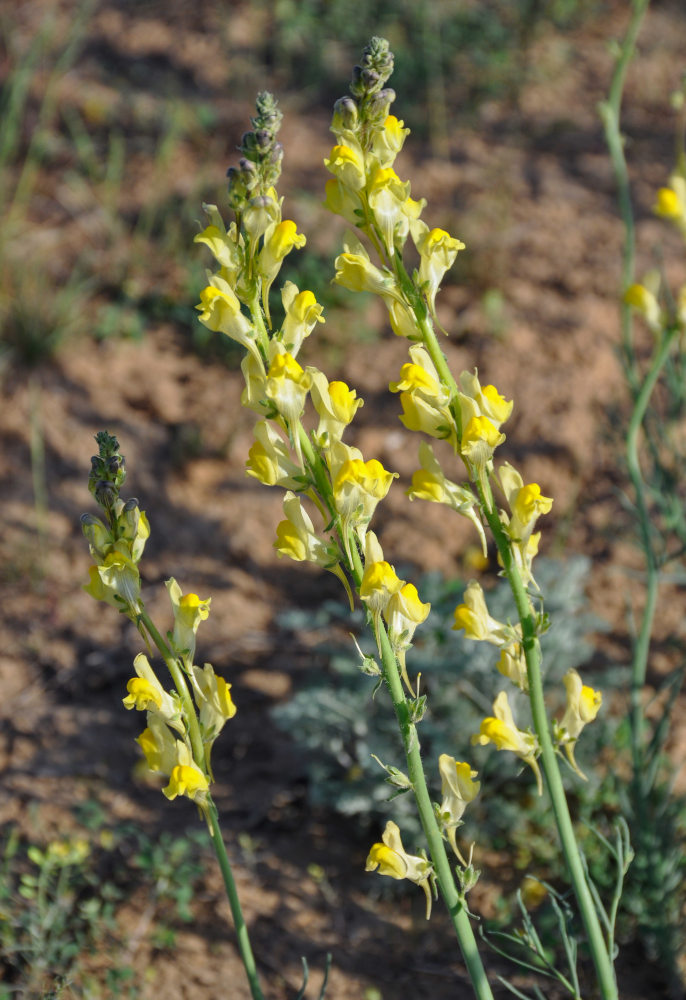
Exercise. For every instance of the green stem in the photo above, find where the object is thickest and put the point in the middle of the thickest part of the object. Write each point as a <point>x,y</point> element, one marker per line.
<point>610,111</point>
<point>642,645</point>
<point>531,647</point>
<point>239,923</point>
<point>180,685</point>
<point>444,875</point>
<point>570,848</point>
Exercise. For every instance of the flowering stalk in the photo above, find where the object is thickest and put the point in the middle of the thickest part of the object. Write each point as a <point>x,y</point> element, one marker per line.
<point>183,723</point>
<point>318,467</point>
<point>468,418</point>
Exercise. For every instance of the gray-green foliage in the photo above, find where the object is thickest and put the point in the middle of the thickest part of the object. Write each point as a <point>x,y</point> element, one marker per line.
<point>335,719</point>
<point>59,903</point>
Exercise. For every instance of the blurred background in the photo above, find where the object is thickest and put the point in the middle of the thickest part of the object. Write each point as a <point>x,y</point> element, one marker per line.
<point>118,119</point>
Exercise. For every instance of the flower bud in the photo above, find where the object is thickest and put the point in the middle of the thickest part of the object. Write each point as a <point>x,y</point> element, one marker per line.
<point>345,114</point>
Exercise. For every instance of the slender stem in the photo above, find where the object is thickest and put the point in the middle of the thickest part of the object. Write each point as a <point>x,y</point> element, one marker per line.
<point>239,923</point>
<point>610,111</point>
<point>444,875</point>
<point>181,687</point>
<point>642,645</point>
<point>532,652</point>
<point>551,771</point>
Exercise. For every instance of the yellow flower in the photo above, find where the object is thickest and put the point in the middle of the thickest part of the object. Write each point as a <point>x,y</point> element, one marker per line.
<point>347,165</point>
<point>644,301</point>
<point>187,778</point>
<point>302,312</point>
<point>357,488</point>
<point>226,246</point>
<point>403,321</point>
<point>423,398</point>
<point>458,789</point>
<point>403,613</point>
<point>336,405</point>
<point>287,387</point>
<point>392,860</point>
<point>145,693</point>
<point>116,580</point>
<point>189,611</point>
<point>269,459</point>
<point>296,537</point>
<point>430,483</point>
<point>388,141</point>
<point>512,664</point>
<point>158,745</point>
<point>437,252</point>
<point>213,698</point>
<point>671,201</point>
<point>485,401</point>
<point>526,504</point>
<point>500,729</point>
<point>387,195</point>
<point>473,617</point>
<point>379,583</point>
<point>279,240</point>
<point>583,705</point>
<point>355,271</point>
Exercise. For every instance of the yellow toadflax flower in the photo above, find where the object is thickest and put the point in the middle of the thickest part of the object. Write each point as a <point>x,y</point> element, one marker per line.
<point>269,458</point>
<point>526,503</point>
<point>116,580</point>
<point>500,729</point>
<point>302,312</point>
<point>473,617</point>
<point>430,483</point>
<point>336,405</point>
<point>147,694</point>
<point>387,197</point>
<point>186,778</point>
<point>391,859</point>
<point>355,271</point>
<point>158,745</point>
<point>437,252</point>
<point>358,487</point>
<point>583,705</point>
<point>220,311</point>
<point>458,789</point>
<point>213,698</point>
<point>403,613</point>
<point>346,163</point>
<point>388,141</point>
<point>671,202</point>
<point>287,387</point>
<point>189,611</point>
<point>423,397</point>
<point>279,240</point>
<point>644,301</point>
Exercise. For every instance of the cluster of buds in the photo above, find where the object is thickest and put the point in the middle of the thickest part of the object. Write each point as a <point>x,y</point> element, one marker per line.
<point>117,542</point>
<point>181,728</point>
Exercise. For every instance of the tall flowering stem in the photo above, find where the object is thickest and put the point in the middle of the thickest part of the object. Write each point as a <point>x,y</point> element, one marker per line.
<point>332,491</point>
<point>184,721</point>
<point>468,417</point>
